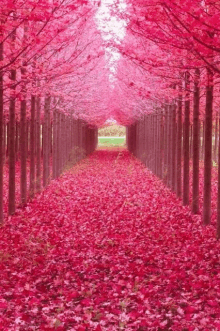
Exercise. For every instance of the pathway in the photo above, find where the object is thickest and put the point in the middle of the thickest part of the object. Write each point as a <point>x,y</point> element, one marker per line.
<point>108,247</point>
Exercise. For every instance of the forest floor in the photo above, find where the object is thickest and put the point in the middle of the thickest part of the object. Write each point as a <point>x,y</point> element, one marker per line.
<point>108,247</point>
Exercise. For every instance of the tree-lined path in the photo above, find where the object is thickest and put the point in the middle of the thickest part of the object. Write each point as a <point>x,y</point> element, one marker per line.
<point>120,240</point>
<point>108,247</point>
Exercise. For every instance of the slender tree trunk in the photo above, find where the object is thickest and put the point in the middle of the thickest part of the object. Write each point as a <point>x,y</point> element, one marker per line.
<point>160,145</point>
<point>157,147</point>
<point>44,149</point>
<point>216,138</point>
<point>66,138</point>
<point>46,143</point>
<point>190,142</point>
<point>142,140</point>
<point>80,140</point>
<point>54,143</point>
<point>48,140</point>
<point>146,137</point>
<point>186,143</point>
<point>152,142</point>
<point>72,136</point>
<point>63,142</point>
<point>137,140</point>
<point>196,135</point>
<point>38,146</point>
<point>1,137</point>
<point>59,144</point>
<point>86,140</point>
<point>4,137</point>
<point>218,200</point>
<point>32,147</point>
<point>133,140</point>
<point>11,149</point>
<point>23,152</point>
<point>208,150</point>
<point>165,145</point>
<point>155,143</point>
<point>217,144</point>
<point>203,140</point>
<point>174,147</point>
<point>7,140</point>
<point>27,136</point>
<point>179,146</point>
<point>16,139</point>
<point>150,130</point>
<point>23,135</point>
<point>169,162</point>
<point>76,139</point>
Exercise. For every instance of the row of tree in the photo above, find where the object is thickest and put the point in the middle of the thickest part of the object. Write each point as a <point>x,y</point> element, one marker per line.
<point>50,52</point>
<point>162,141</point>
<point>53,59</point>
<point>168,91</point>
<point>55,144</point>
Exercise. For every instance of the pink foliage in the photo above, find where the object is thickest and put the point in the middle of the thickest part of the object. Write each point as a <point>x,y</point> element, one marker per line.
<point>65,55</point>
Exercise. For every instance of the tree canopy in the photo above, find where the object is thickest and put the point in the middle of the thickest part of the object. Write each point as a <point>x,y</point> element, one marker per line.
<point>107,59</point>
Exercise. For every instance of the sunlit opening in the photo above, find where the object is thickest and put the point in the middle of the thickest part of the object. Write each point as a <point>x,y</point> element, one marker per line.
<point>111,29</point>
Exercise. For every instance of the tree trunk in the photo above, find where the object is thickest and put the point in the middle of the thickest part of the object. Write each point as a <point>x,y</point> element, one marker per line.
<point>16,140</point>
<point>161,146</point>
<point>203,140</point>
<point>11,147</point>
<point>54,143</point>
<point>179,146</point>
<point>27,136</point>
<point>208,149</point>
<point>169,146</point>
<point>2,154</point>
<point>157,149</point>
<point>38,146</point>
<point>216,139</point>
<point>32,147</point>
<point>218,200</point>
<point>59,144</point>
<point>186,142</point>
<point>7,140</point>
<point>46,143</point>
<point>165,145</point>
<point>4,138</point>
<point>63,141</point>
<point>190,141</point>
<point>196,135</point>
<point>174,147</point>
<point>23,153</point>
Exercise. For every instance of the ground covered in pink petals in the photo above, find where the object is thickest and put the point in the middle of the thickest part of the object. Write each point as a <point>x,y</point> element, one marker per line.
<point>108,247</point>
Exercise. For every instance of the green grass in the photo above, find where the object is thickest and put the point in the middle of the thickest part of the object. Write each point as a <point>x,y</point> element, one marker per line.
<point>111,142</point>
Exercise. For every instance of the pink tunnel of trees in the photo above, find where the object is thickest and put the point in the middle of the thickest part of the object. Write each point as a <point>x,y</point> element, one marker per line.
<point>59,83</point>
